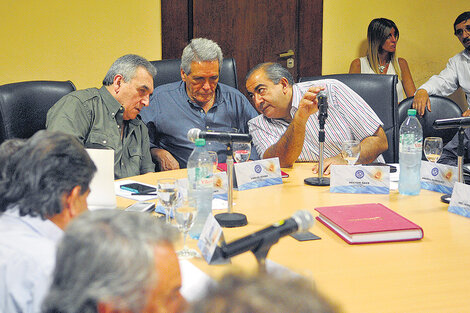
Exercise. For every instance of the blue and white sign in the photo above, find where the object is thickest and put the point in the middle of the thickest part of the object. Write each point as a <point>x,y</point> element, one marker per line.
<point>438,177</point>
<point>460,200</point>
<point>360,179</point>
<point>257,174</point>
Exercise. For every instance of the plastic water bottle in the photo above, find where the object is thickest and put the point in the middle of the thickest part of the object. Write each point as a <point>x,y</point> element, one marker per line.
<point>200,185</point>
<point>411,141</point>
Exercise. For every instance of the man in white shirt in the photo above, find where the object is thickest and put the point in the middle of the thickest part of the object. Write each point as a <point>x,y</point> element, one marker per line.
<point>43,186</point>
<point>455,75</point>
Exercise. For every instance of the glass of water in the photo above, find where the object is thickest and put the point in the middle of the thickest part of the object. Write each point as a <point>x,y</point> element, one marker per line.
<point>185,216</point>
<point>433,148</point>
<point>167,191</point>
<point>350,150</point>
<point>241,151</point>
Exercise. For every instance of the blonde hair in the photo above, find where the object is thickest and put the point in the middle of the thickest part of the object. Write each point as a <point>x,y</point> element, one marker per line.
<point>377,32</point>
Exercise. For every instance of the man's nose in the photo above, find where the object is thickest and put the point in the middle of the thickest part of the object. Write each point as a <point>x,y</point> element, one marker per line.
<point>207,85</point>
<point>257,99</point>
<point>146,100</point>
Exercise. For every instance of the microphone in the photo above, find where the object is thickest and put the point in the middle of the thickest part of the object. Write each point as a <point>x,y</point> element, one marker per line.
<point>195,133</point>
<point>456,122</point>
<point>322,103</point>
<point>301,221</point>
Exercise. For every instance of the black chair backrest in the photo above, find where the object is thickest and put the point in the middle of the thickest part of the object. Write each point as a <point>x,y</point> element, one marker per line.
<point>441,107</point>
<point>379,91</point>
<point>24,106</point>
<point>168,71</point>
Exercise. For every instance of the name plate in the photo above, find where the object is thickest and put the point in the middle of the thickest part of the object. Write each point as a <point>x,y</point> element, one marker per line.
<point>208,242</point>
<point>438,177</point>
<point>360,179</point>
<point>460,201</point>
<point>257,174</point>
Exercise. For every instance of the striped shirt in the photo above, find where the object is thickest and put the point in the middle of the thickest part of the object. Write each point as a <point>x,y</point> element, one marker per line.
<point>349,117</point>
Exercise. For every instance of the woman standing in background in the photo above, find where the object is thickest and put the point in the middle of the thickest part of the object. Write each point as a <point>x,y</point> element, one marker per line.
<point>382,36</point>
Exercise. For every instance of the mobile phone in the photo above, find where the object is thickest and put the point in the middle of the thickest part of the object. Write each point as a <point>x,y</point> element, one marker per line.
<point>138,188</point>
<point>141,206</point>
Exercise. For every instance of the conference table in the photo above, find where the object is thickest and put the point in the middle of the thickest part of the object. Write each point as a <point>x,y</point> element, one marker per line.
<point>429,275</point>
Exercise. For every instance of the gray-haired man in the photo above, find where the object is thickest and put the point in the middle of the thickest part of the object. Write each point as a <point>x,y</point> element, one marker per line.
<point>43,185</point>
<point>107,118</point>
<point>116,261</point>
<point>197,101</point>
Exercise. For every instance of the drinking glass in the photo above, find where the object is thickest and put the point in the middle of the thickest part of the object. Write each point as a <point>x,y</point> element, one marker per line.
<point>433,148</point>
<point>241,151</point>
<point>185,216</point>
<point>350,150</point>
<point>215,160</point>
<point>167,191</point>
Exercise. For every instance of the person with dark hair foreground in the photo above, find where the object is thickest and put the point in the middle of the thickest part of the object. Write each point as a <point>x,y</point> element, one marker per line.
<point>108,118</point>
<point>262,294</point>
<point>116,261</point>
<point>455,75</point>
<point>8,148</point>
<point>382,37</point>
<point>44,185</point>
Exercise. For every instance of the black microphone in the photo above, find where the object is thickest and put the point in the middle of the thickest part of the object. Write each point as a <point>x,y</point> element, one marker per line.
<point>301,221</point>
<point>322,103</point>
<point>456,122</point>
<point>195,133</point>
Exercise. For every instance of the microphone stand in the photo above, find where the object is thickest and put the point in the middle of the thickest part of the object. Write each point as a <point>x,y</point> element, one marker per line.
<point>460,152</point>
<point>322,115</point>
<point>230,219</point>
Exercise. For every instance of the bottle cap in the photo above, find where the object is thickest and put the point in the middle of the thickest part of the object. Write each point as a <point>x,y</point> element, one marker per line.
<point>411,112</point>
<point>200,142</point>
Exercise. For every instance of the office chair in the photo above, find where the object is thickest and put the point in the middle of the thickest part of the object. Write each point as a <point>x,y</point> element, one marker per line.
<point>379,91</point>
<point>24,106</point>
<point>441,107</point>
<point>168,71</point>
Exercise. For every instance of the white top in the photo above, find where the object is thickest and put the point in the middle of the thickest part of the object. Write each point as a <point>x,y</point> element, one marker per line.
<point>366,69</point>
<point>349,117</point>
<point>455,75</point>
<point>27,259</point>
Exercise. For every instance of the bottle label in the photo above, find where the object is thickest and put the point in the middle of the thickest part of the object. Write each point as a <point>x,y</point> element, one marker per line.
<point>409,144</point>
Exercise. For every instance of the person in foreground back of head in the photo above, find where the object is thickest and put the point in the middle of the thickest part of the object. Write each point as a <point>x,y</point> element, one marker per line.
<point>116,261</point>
<point>8,148</point>
<point>42,187</point>
<point>262,294</point>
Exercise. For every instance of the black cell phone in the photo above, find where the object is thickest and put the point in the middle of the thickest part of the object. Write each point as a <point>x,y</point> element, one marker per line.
<point>138,188</point>
<point>141,207</point>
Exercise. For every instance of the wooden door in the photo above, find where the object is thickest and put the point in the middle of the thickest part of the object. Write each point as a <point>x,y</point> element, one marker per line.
<point>250,31</point>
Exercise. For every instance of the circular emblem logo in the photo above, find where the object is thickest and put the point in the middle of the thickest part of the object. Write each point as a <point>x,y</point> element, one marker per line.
<point>258,168</point>
<point>435,171</point>
<point>359,174</point>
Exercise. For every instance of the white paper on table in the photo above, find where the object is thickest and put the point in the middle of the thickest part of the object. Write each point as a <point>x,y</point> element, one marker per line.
<point>195,281</point>
<point>128,194</point>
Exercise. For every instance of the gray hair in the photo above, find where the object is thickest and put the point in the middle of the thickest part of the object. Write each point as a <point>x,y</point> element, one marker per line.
<point>274,71</point>
<point>8,148</point>
<point>198,50</point>
<point>37,176</point>
<point>106,256</point>
<point>126,66</point>
<point>262,294</point>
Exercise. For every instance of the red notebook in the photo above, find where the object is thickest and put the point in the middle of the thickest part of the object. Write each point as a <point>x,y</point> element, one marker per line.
<point>368,223</point>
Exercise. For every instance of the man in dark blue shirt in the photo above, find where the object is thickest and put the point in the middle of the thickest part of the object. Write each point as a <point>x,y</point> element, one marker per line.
<point>198,101</point>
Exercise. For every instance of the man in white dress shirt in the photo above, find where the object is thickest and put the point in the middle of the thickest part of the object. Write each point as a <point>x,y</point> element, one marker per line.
<point>455,75</point>
<point>43,185</point>
<point>288,127</point>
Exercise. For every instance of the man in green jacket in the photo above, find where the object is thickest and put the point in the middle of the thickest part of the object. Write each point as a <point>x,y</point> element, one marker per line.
<point>107,118</point>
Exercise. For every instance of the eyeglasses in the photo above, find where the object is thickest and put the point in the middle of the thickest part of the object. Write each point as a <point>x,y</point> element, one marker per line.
<point>459,32</point>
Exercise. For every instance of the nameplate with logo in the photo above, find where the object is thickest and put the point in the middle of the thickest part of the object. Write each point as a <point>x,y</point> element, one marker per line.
<point>460,202</point>
<point>257,174</point>
<point>438,177</point>
<point>360,179</point>
<point>210,240</point>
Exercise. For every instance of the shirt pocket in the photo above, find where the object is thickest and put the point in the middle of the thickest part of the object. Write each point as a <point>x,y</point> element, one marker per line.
<point>99,141</point>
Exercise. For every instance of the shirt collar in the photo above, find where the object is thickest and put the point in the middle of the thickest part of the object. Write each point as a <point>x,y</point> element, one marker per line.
<point>110,102</point>
<point>45,227</point>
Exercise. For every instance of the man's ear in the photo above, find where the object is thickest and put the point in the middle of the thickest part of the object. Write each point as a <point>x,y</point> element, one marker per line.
<point>70,200</point>
<point>117,83</point>
<point>285,84</point>
<point>183,75</point>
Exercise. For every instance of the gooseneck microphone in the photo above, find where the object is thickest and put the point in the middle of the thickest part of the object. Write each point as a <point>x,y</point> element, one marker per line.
<point>195,133</point>
<point>301,221</point>
<point>455,122</point>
